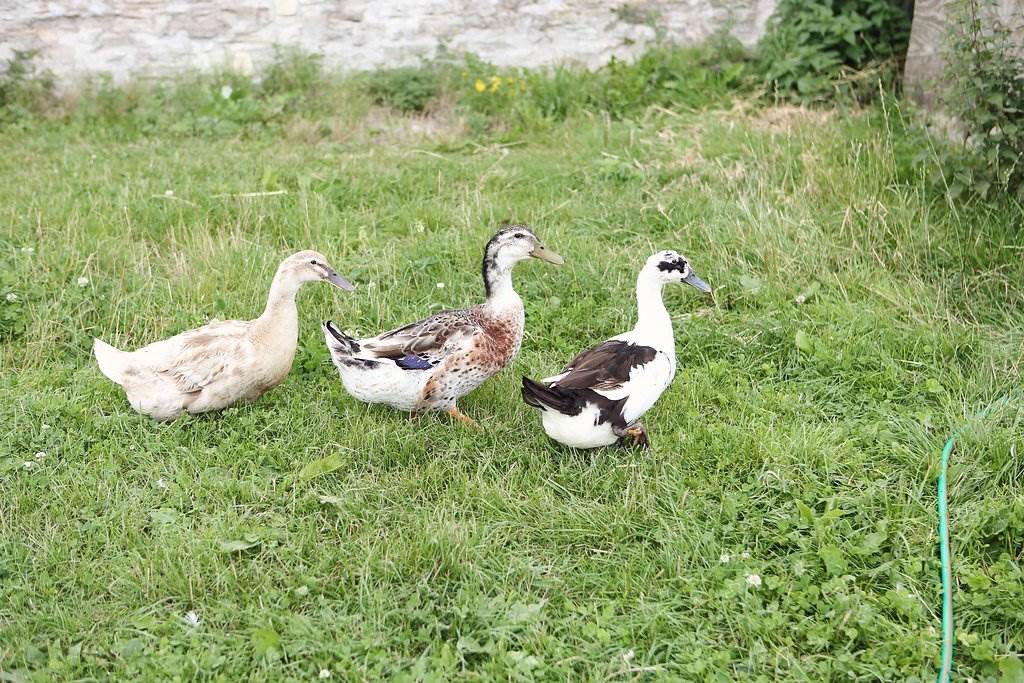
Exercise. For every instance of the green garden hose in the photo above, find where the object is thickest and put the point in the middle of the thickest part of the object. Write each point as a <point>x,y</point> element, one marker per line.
<point>947,570</point>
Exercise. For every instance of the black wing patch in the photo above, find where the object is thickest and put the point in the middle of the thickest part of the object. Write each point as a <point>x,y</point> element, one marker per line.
<point>605,366</point>
<point>573,401</point>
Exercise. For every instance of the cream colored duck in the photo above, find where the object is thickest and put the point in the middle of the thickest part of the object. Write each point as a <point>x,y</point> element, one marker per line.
<point>222,363</point>
<point>430,364</point>
<point>599,397</point>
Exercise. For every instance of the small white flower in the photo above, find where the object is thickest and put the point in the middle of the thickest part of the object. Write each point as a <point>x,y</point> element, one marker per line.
<point>168,193</point>
<point>11,297</point>
<point>40,455</point>
<point>161,483</point>
<point>192,619</point>
<point>28,250</point>
<point>83,281</point>
<point>724,558</point>
<point>753,580</point>
<point>440,285</point>
<point>225,91</point>
<point>325,673</point>
<point>45,426</point>
<point>28,464</point>
<point>745,555</point>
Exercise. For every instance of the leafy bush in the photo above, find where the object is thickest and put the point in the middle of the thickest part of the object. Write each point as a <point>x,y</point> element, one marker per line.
<point>665,76</point>
<point>672,77</point>
<point>813,49</point>
<point>985,77</point>
<point>25,89</point>
<point>407,89</point>
<point>293,72</point>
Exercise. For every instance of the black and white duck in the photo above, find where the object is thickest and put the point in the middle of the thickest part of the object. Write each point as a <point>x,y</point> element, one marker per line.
<point>600,396</point>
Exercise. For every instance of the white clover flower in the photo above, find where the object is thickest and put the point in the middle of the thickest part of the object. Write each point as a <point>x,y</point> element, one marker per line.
<point>11,297</point>
<point>753,580</point>
<point>83,281</point>
<point>28,464</point>
<point>225,91</point>
<point>28,250</point>
<point>745,555</point>
<point>440,285</point>
<point>325,673</point>
<point>724,558</point>
<point>192,619</point>
<point>161,483</point>
<point>40,455</point>
<point>45,426</point>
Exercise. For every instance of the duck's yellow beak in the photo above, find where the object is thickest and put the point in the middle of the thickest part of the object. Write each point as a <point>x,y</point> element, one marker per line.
<point>544,254</point>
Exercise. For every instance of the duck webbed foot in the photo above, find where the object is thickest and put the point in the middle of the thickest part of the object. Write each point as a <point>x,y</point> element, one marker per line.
<point>634,435</point>
<point>457,414</point>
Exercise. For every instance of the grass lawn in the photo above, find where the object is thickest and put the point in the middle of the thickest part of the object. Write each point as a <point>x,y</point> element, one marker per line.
<point>858,318</point>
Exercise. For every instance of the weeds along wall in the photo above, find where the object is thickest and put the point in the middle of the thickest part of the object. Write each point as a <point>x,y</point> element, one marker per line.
<point>143,37</point>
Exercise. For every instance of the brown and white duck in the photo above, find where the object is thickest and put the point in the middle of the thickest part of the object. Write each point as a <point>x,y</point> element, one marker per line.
<point>430,364</point>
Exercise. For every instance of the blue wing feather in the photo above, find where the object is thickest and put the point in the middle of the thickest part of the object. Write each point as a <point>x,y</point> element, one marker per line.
<point>412,362</point>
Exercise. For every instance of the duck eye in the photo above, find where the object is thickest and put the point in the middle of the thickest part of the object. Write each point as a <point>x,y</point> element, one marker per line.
<point>313,262</point>
<point>519,235</point>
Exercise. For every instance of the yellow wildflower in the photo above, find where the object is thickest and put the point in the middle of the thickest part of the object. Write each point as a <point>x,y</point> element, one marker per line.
<point>495,82</point>
<point>480,85</point>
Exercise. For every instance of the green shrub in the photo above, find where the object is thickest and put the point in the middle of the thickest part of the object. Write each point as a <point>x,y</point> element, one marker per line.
<point>25,89</point>
<point>985,92</point>
<point>293,72</point>
<point>407,89</point>
<point>664,76</point>
<point>813,49</point>
<point>690,78</point>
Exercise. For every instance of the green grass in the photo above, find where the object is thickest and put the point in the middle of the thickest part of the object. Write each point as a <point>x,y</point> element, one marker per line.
<point>857,319</point>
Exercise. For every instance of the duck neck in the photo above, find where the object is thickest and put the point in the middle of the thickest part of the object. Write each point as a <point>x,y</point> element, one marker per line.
<point>498,284</point>
<point>281,316</point>
<point>653,321</point>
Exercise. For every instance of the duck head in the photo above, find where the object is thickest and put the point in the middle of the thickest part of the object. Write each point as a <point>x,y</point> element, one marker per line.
<point>669,266</point>
<point>312,266</point>
<point>509,246</point>
<point>515,243</point>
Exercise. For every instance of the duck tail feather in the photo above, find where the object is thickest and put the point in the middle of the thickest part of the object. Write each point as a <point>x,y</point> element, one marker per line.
<point>113,362</point>
<point>544,397</point>
<point>338,342</point>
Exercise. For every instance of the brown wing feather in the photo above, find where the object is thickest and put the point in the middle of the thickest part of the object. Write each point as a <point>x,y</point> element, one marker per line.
<point>432,338</point>
<point>605,366</point>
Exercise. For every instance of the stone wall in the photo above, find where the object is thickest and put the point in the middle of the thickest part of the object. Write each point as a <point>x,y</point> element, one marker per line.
<point>155,37</point>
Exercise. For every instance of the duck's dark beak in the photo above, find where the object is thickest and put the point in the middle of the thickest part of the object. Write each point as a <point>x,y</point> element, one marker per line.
<point>338,281</point>
<point>544,254</point>
<point>692,279</point>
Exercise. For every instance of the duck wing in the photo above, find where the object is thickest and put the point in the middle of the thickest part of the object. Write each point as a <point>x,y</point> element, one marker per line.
<point>195,359</point>
<point>605,367</point>
<point>425,343</point>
